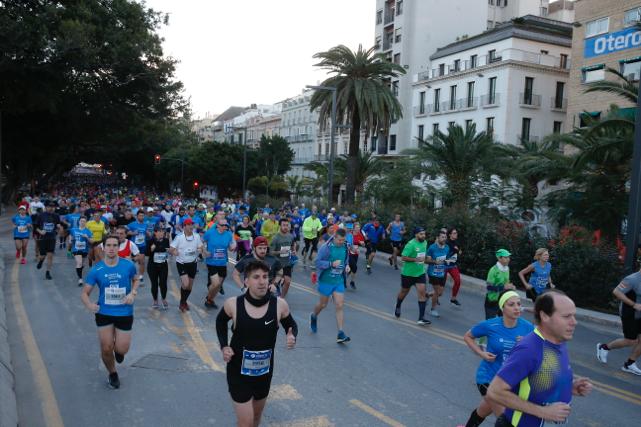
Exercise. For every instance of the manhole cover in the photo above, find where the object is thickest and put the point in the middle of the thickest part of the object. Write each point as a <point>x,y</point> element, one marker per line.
<point>165,362</point>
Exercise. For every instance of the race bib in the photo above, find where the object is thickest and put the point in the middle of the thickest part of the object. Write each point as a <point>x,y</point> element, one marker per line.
<point>255,363</point>
<point>114,295</point>
<point>420,255</point>
<point>284,251</point>
<point>439,269</point>
<point>139,239</point>
<point>337,271</point>
<point>219,254</point>
<point>23,229</point>
<point>190,252</point>
<point>160,257</point>
<point>80,245</point>
<point>48,227</point>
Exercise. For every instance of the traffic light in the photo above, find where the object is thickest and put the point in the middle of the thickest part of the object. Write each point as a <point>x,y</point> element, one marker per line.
<point>195,185</point>
<point>157,159</point>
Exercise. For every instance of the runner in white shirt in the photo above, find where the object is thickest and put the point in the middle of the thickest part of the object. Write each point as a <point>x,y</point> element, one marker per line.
<point>186,247</point>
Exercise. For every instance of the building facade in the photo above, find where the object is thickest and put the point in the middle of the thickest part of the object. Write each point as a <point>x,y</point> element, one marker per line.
<point>409,31</point>
<point>299,128</point>
<point>606,35</point>
<point>510,81</point>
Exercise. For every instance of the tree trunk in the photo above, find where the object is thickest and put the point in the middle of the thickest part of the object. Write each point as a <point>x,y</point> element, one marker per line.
<point>352,159</point>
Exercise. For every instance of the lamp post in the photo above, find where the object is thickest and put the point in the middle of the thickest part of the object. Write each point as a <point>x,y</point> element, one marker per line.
<point>332,137</point>
<point>634,204</point>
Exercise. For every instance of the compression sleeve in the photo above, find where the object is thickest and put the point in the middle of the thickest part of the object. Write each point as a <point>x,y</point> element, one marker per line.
<point>289,322</point>
<point>221,328</point>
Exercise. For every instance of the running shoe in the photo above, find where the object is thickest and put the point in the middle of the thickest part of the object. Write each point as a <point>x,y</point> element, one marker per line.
<point>48,276</point>
<point>113,381</point>
<point>632,368</point>
<point>601,353</point>
<point>352,285</point>
<point>455,302</point>
<point>369,269</point>
<point>391,263</point>
<point>165,305</point>
<point>423,322</point>
<point>222,290</point>
<point>155,305</point>
<point>434,313</point>
<point>313,323</point>
<point>69,254</point>
<point>17,253</point>
<point>182,307</point>
<point>341,338</point>
<point>186,307</point>
<point>23,261</point>
<point>395,267</point>
<point>79,282</point>
<point>141,283</point>
<point>397,312</point>
<point>39,266</point>
<point>210,303</point>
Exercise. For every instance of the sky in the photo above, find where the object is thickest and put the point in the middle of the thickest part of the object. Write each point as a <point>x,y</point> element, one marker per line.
<point>242,52</point>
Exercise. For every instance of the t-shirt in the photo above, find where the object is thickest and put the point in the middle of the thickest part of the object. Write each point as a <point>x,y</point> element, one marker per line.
<point>140,233</point>
<point>355,241</point>
<point>187,247</point>
<point>274,264</point>
<point>395,231</point>
<point>540,276</point>
<point>73,219</point>
<point>98,229</point>
<point>21,229</point>
<point>245,233</point>
<point>217,244</point>
<point>500,341</point>
<point>374,234</point>
<point>269,229</point>
<point>437,253</point>
<point>334,275</point>
<point>311,227</point>
<point>48,222</point>
<point>538,371</point>
<point>497,278</point>
<point>631,286</point>
<point>414,249</point>
<point>80,238</point>
<point>453,256</point>
<point>114,283</point>
<point>160,254</point>
<point>283,243</point>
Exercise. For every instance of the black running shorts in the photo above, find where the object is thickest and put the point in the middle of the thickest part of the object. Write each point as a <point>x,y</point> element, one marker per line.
<point>189,269</point>
<point>220,270</point>
<point>409,281</point>
<point>631,327</point>
<point>123,323</point>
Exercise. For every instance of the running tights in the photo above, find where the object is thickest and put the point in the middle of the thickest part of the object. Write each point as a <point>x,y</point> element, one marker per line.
<point>158,277</point>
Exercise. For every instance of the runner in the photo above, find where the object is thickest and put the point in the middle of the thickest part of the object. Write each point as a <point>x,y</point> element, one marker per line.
<point>219,240</point>
<point>114,312</point>
<point>245,232</point>
<point>332,265</point>
<point>98,231</point>
<point>126,248</point>
<point>628,292</point>
<point>269,227</point>
<point>498,279</point>
<point>451,266</point>
<point>157,266</point>
<point>282,246</point>
<point>311,227</point>
<point>46,226</point>
<point>413,273</point>
<point>250,355</point>
<point>437,255</point>
<point>502,334</point>
<point>80,242</point>
<point>259,253</point>
<point>356,240</point>
<point>186,247</point>
<point>21,231</point>
<point>540,278</point>
<point>138,234</point>
<point>395,230</point>
<point>536,384</point>
<point>374,232</point>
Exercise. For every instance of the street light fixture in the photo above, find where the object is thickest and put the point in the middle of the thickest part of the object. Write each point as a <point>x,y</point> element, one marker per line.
<point>330,189</point>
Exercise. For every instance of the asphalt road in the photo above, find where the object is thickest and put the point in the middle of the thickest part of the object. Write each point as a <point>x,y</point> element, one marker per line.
<point>392,373</point>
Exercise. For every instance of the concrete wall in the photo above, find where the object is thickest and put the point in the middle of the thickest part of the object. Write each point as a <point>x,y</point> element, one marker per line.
<point>8,411</point>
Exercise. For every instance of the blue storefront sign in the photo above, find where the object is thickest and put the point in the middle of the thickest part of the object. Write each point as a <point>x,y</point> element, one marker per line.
<point>612,42</point>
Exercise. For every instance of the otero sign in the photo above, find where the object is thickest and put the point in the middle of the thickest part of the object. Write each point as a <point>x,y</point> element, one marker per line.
<point>612,42</point>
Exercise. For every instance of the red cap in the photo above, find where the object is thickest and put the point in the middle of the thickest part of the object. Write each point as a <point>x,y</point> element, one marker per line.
<point>260,241</point>
<point>188,221</point>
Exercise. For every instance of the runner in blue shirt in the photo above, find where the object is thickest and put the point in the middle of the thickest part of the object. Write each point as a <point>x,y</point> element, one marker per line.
<point>540,278</point>
<point>502,334</point>
<point>218,240</point>
<point>114,312</point>
<point>395,230</point>
<point>80,240</point>
<point>374,232</point>
<point>21,232</point>
<point>536,383</point>
<point>437,253</point>
<point>138,234</point>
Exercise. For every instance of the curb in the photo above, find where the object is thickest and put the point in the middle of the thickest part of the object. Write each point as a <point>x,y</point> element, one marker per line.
<point>8,407</point>
<point>478,285</point>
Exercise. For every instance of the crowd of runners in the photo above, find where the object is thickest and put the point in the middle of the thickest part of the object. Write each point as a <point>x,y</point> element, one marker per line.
<point>125,237</point>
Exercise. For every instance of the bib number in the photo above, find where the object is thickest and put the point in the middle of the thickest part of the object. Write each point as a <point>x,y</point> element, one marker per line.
<point>80,245</point>
<point>284,251</point>
<point>256,363</point>
<point>22,229</point>
<point>139,239</point>
<point>114,295</point>
<point>48,227</point>
<point>337,271</point>
<point>220,254</point>
<point>160,257</point>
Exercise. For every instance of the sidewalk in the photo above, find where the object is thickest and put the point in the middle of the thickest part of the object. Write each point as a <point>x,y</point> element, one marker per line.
<point>478,285</point>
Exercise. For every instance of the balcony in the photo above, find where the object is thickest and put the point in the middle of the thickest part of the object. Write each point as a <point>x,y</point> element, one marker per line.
<point>559,104</point>
<point>420,111</point>
<point>529,100</point>
<point>530,138</point>
<point>491,100</point>
<point>389,16</point>
<point>321,157</point>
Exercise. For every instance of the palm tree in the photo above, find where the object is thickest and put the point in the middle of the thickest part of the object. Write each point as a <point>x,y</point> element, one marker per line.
<point>462,157</point>
<point>621,86</point>
<point>364,98</point>
<point>368,166</point>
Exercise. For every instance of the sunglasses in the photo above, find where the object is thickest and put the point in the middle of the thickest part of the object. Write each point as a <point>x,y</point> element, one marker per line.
<point>223,225</point>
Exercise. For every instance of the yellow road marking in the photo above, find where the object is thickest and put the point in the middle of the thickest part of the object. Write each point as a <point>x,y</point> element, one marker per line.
<point>284,392</point>
<point>51,413</point>
<point>376,414</point>
<point>306,422</point>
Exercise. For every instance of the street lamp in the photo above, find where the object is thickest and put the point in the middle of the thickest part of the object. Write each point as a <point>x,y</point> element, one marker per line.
<point>332,138</point>
<point>233,128</point>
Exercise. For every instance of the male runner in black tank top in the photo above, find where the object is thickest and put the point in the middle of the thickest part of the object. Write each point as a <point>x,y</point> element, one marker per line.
<point>250,356</point>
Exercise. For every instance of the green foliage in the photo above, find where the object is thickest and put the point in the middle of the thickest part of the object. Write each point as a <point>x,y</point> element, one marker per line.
<point>276,186</point>
<point>274,156</point>
<point>394,185</point>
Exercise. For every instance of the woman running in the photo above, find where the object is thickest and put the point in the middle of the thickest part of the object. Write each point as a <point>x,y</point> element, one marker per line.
<point>81,238</point>
<point>23,226</point>
<point>157,267</point>
<point>540,279</point>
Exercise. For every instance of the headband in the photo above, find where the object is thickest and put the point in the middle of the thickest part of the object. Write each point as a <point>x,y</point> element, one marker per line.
<point>506,296</point>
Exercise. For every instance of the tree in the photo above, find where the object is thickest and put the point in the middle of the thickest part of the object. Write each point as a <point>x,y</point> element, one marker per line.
<point>364,98</point>
<point>274,156</point>
<point>462,157</point>
<point>368,165</point>
<point>394,185</point>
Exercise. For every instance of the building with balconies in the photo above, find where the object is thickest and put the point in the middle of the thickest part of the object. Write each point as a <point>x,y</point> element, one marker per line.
<point>299,127</point>
<point>509,81</point>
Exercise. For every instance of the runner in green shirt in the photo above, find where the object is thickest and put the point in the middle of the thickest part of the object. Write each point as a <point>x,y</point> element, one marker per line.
<point>413,273</point>
<point>498,279</point>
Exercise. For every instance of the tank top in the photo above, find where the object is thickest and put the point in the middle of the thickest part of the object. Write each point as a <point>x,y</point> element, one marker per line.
<point>126,251</point>
<point>540,276</point>
<point>253,342</point>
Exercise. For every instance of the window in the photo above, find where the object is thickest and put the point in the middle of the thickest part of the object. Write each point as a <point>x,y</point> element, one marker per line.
<point>320,150</point>
<point>563,63</point>
<point>470,94</point>
<point>437,100</point>
<point>596,27</point>
<point>397,58</point>
<point>377,42</point>
<point>558,95</point>
<point>492,91</point>
<point>525,129</point>
<point>395,88</point>
<point>457,65</point>
<point>545,52</point>
<point>490,2</point>
<point>421,132</point>
<point>399,7</point>
<point>544,11</point>
<point>434,128</point>
<point>586,118</point>
<point>473,61</point>
<point>527,90</point>
<point>327,149</point>
<point>557,127</point>
<point>373,144</point>
<point>451,124</point>
<point>593,74</point>
<point>397,36</point>
<point>491,56</point>
<point>453,97</point>
<point>392,142</point>
<point>489,126</point>
<point>441,69</point>
<point>379,17</point>
<point>421,102</point>
<point>632,16</point>
<point>468,123</point>
<point>631,69</point>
